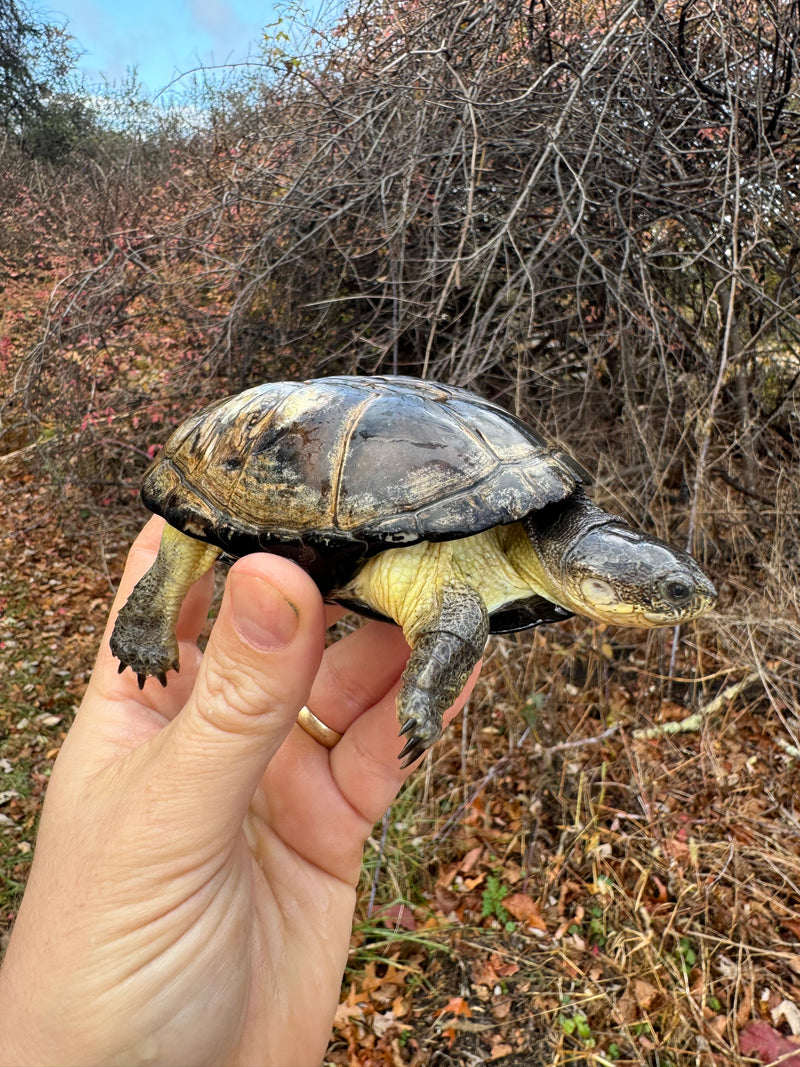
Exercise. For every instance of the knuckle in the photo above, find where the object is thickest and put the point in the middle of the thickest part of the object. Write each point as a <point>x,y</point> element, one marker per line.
<point>235,702</point>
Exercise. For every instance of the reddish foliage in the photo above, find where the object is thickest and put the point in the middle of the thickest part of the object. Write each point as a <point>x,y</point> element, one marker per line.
<point>764,1041</point>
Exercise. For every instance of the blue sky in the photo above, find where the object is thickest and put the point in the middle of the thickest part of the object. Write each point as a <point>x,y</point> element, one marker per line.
<point>161,38</point>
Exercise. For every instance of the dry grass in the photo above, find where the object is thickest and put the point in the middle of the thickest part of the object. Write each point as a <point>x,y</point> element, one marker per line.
<point>489,213</point>
<point>641,795</point>
<point>661,869</point>
<point>664,871</point>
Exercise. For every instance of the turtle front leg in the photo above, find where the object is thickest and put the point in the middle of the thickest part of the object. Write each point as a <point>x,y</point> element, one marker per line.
<point>442,659</point>
<point>144,633</point>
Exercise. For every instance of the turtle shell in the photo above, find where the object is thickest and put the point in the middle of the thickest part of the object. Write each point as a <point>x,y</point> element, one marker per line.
<point>333,470</point>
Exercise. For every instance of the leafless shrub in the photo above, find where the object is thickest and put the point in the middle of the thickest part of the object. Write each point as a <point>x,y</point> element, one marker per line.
<point>589,211</point>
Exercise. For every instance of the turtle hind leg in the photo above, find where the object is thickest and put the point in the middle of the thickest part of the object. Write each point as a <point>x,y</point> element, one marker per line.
<point>442,659</point>
<point>144,632</point>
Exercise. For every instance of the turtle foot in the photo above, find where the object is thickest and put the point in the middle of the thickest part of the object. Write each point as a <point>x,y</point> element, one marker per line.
<point>145,657</point>
<point>435,674</point>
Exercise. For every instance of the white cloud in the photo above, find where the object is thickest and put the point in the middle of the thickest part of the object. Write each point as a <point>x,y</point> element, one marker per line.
<point>216,17</point>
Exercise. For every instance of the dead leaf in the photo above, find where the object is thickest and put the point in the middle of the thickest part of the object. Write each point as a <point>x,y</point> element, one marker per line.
<point>498,1051</point>
<point>381,1024</point>
<point>789,1012</point>
<point>525,910</point>
<point>676,847</point>
<point>345,1012</point>
<point>626,1010</point>
<point>763,1040</point>
<point>398,915</point>
<point>645,993</point>
<point>501,1008</point>
<point>718,1024</point>
<point>745,1008</point>
<point>400,1007</point>
<point>670,712</point>
<point>445,880</point>
<point>491,971</point>
<point>446,900</point>
<point>450,1034</point>
<point>471,858</point>
<point>455,1006</point>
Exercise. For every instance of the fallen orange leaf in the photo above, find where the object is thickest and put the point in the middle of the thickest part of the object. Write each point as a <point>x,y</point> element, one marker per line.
<point>455,1006</point>
<point>525,910</point>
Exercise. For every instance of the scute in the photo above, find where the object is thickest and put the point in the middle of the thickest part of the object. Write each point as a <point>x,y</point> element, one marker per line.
<point>341,468</point>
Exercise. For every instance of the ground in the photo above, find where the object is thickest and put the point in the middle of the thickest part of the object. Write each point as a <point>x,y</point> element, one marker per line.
<point>563,881</point>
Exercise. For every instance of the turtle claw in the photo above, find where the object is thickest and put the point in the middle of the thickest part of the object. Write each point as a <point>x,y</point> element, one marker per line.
<point>420,729</point>
<point>413,748</point>
<point>418,740</point>
<point>141,676</point>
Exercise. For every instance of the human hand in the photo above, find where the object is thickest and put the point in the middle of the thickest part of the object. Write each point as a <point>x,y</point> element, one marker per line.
<point>192,892</point>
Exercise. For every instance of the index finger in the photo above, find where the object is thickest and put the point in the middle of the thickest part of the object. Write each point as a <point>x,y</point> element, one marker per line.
<point>365,764</point>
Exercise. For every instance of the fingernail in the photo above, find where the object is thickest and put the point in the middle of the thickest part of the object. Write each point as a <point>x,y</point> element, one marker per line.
<point>262,616</point>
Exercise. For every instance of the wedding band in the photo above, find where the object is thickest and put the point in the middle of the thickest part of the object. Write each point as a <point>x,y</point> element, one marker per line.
<point>314,727</point>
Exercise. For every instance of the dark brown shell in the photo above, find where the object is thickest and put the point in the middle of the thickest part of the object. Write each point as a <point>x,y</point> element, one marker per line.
<point>333,470</point>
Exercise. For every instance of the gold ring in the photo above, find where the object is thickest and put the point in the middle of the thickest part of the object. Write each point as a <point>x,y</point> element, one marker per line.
<point>314,727</point>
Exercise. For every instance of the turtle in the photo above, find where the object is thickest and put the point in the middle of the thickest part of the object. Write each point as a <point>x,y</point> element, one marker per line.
<point>406,500</point>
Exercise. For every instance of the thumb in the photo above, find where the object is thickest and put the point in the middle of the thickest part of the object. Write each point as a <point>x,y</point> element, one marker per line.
<point>256,674</point>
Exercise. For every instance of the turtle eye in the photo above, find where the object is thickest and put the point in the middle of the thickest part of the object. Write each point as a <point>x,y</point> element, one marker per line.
<point>676,591</point>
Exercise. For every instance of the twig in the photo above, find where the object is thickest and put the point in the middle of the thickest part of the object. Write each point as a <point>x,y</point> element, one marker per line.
<point>695,721</point>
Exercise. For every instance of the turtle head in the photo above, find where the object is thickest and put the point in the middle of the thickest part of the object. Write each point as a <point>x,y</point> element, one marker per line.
<point>598,566</point>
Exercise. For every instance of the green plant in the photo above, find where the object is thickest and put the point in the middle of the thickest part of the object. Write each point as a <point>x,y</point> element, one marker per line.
<point>532,709</point>
<point>597,926</point>
<point>685,954</point>
<point>577,1025</point>
<point>491,903</point>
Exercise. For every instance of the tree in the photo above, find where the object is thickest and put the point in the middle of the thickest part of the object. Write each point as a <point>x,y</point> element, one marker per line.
<point>38,107</point>
<point>577,207</point>
<point>21,91</point>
